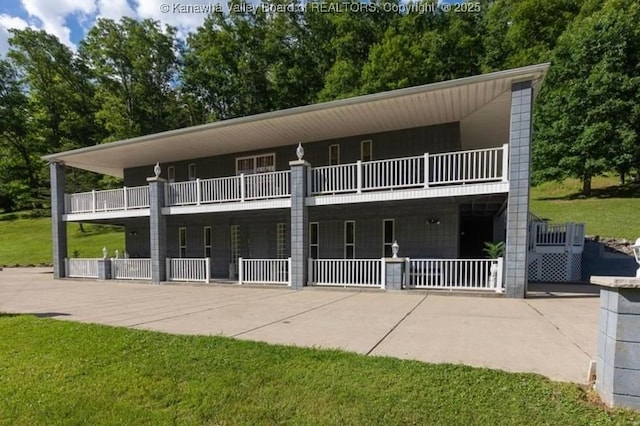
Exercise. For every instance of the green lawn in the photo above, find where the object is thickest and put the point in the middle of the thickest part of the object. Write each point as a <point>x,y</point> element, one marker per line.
<point>611,211</point>
<point>27,241</point>
<point>58,372</point>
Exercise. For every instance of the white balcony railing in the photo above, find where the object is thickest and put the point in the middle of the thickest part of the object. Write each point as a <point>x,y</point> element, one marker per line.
<point>264,271</point>
<point>131,269</point>
<point>451,168</point>
<point>227,189</point>
<point>346,272</point>
<point>455,274</point>
<point>189,269</point>
<point>81,268</point>
<point>108,200</point>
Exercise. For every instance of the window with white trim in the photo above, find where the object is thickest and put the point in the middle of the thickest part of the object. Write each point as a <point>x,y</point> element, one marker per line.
<point>235,244</point>
<point>256,164</point>
<point>207,241</point>
<point>314,240</point>
<point>334,154</point>
<point>192,171</point>
<point>366,153</point>
<point>281,241</point>
<point>182,241</point>
<point>171,173</point>
<point>388,236</point>
<point>349,239</point>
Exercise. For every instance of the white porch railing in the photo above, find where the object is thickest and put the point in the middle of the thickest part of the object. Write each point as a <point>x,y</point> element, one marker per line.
<point>131,269</point>
<point>455,274</point>
<point>227,189</point>
<point>562,236</point>
<point>346,272</point>
<point>81,268</point>
<point>108,200</point>
<point>480,165</point>
<point>192,269</point>
<point>264,271</point>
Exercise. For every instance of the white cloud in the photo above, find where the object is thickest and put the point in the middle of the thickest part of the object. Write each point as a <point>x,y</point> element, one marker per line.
<point>184,21</point>
<point>7,22</point>
<point>53,14</point>
<point>115,9</point>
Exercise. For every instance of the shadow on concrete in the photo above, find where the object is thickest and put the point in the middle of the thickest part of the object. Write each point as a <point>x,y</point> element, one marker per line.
<point>37,314</point>
<point>562,291</point>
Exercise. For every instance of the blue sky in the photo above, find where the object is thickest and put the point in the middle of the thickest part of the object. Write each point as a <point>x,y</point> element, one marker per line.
<point>69,20</point>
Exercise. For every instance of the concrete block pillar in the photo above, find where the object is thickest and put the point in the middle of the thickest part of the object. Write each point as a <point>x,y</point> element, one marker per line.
<point>104,269</point>
<point>58,226</point>
<point>157,230</point>
<point>518,200</point>
<point>299,223</point>
<point>618,355</point>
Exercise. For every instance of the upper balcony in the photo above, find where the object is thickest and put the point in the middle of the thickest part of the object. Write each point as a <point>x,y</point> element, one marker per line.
<point>459,173</point>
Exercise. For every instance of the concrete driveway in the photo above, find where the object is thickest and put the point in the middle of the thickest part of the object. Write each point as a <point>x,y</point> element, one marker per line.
<point>553,332</point>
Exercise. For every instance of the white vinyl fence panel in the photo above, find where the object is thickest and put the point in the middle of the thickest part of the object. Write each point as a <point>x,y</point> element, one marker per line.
<point>81,268</point>
<point>131,269</point>
<point>264,271</point>
<point>188,269</point>
<point>346,272</point>
<point>455,274</point>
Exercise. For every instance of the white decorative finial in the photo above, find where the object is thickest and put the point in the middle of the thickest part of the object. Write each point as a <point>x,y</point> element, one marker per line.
<point>157,170</point>
<point>104,252</point>
<point>394,249</point>
<point>117,254</point>
<point>636,253</point>
<point>300,151</point>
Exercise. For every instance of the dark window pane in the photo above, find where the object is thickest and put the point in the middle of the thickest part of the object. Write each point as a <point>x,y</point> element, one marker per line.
<point>387,251</point>
<point>314,233</point>
<point>388,231</point>
<point>314,252</point>
<point>350,252</point>
<point>349,232</point>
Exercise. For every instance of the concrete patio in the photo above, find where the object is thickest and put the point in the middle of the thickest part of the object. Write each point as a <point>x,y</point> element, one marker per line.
<point>553,332</point>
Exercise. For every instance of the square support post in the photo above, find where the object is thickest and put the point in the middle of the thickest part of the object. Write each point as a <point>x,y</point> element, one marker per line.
<point>518,199</point>
<point>299,224</point>
<point>618,355</point>
<point>58,226</point>
<point>157,230</point>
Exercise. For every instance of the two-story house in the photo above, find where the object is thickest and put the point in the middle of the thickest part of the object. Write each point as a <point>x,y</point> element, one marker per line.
<point>440,169</point>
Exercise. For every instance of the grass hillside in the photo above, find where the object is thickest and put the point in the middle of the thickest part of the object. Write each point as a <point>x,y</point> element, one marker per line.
<point>611,210</point>
<point>27,241</point>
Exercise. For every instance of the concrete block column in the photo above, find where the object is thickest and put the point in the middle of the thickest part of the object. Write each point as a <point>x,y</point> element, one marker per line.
<point>618,356</point>
<point>58,226</point>
<point>518,200</point>
<point>299,224</point>
<point>157,230</point>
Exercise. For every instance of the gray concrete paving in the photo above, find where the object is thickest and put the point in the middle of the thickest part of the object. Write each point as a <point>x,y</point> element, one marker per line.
<point>553,332</point>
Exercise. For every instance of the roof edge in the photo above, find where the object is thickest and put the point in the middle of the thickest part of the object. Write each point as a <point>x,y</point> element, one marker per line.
<point>540,69</point>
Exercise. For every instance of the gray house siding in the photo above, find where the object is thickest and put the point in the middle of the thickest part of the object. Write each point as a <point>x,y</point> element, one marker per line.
<point>400,143</point>
<point>416,237</point>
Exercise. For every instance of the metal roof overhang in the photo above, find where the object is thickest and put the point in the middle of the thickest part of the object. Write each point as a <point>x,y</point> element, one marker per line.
<point>436,103</point>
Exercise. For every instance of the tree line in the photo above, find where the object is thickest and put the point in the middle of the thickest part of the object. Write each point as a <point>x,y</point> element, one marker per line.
<point>130,78</point>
